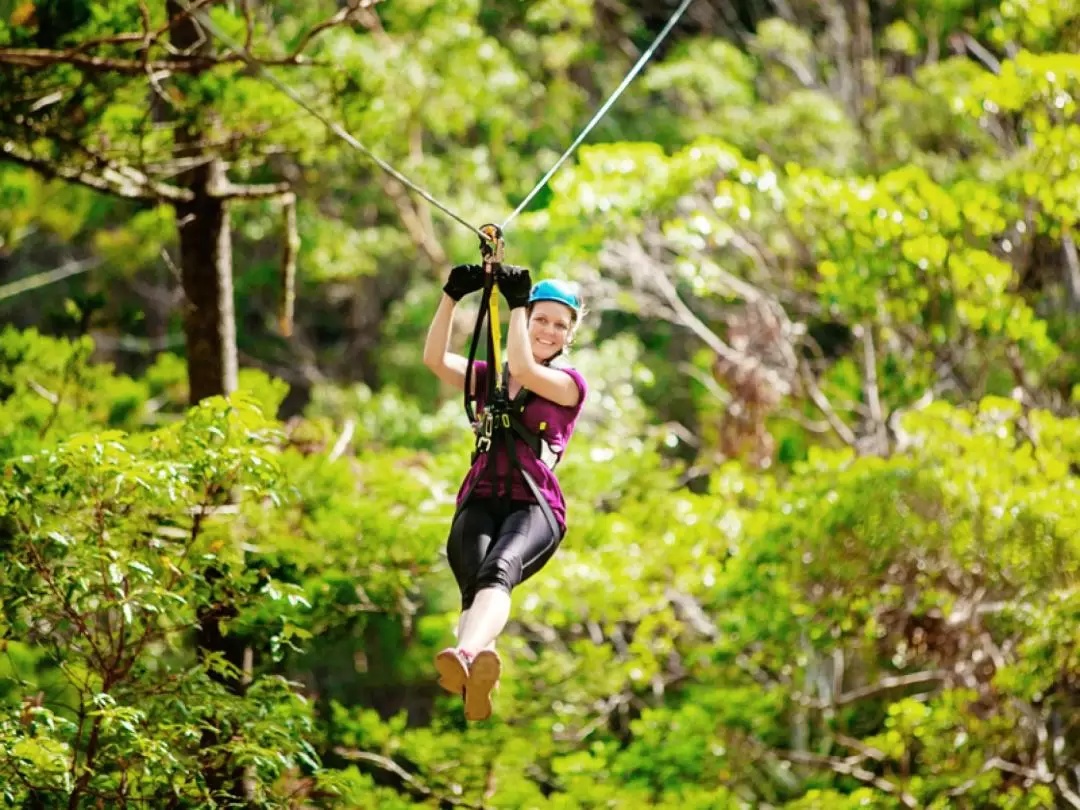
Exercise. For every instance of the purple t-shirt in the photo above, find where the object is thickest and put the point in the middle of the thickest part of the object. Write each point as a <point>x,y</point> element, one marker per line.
<point>560,421</point>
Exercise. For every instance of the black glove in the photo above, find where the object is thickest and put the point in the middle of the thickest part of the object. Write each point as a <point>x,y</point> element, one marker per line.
<point>515,283</point>
<point>464,279</point>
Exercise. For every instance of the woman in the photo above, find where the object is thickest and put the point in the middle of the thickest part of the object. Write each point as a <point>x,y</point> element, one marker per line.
<point>502,534</point>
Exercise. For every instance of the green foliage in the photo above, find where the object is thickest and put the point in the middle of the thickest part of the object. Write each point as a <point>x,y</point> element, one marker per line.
<point>882,613</point>
<point>108,542</point>
<point>48,389</point>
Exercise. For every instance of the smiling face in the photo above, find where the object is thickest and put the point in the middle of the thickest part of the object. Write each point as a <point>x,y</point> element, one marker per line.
<point>550,327</point>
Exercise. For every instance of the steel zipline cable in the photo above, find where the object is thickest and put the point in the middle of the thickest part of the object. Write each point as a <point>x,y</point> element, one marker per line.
<point>484,233</point>
<point>263,71</point>
<point>634,71</point>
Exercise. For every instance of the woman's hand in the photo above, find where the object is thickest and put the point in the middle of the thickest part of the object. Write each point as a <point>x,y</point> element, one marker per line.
<point>515,283</point>
<point>464,279</point>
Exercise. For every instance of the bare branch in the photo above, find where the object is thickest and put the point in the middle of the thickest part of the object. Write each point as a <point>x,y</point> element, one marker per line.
<point>865,332</point>
<point>635,254</point>
<point>343,440</point>
<point>803,422</point>
<point>691,612</point>
<point>343,15</point>
<point>96,42</point>
<point>976,49</point>
<point>863,749</point>
<point>249,25</point>
<point>848,769</point>
<point>112,181</point>
<point>413,784</point>
<point>43,392</point>
<point>135,344</point>
<point>887,684</point>
<point>1072,271</point>
<point>48,277</point>
<point>151,76</point>
<point>412,221</point>
<point>288,267</point>
<point>708,382</point>
<point>783,8</point>
<point>227,190</point>
<point>1067,793</point>
<point>38,58</point>
<point>822,402</point>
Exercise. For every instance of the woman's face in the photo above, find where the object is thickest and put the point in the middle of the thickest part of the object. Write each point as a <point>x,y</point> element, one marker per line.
<point>549,328</point>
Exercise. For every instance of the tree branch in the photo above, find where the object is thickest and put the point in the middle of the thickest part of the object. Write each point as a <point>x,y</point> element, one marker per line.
<point>112,181</point>
<point>634,254</point>
<point>887,684</point>
<point>249,25</point>
<point>1072,271</point>
<point>288,267</point>
<point>224,189</point>
<point>38,58</point>
<point>865,332</point>
<point>822,402</point>
<point>414,785</point>
<point>407,211</point>
<point>342,16</point>
<point>976,49</point>
<point>48,277</point>
<point>847,768</point>
<point>343,440</point>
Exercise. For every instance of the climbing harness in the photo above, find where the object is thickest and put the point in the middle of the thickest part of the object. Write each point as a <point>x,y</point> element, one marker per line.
<point>244,54</point>
<point>500,420</point>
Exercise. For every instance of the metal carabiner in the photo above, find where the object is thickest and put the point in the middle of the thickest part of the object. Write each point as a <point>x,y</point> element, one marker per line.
<point>491,246</point>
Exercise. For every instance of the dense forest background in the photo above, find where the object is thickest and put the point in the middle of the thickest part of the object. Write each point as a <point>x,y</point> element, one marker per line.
<point>824,544</point>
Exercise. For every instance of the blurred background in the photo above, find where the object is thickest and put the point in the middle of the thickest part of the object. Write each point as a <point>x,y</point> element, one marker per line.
<point>823,546</point>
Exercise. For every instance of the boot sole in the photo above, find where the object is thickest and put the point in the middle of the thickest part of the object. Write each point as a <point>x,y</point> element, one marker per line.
<point>452,673</point>
<point>483,675</point>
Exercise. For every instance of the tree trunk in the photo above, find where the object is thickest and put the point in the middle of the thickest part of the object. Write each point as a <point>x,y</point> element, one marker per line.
<point>206,271</point>
<point>1072,273</point>
<point>205,250</point>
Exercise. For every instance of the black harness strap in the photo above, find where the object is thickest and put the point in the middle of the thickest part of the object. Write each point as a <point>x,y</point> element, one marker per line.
<point>481,318</point>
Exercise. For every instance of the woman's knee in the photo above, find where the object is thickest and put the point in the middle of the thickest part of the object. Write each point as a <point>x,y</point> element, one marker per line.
<point>499,571</point>
<point>466,546</point>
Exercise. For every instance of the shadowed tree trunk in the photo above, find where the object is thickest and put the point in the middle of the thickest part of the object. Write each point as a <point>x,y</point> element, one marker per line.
<point>206,272</point>
<point>205,250</point>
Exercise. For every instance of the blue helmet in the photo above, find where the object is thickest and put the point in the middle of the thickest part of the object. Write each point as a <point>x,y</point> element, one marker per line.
<point>554,290</point>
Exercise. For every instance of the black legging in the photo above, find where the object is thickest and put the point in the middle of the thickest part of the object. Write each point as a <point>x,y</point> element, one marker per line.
<point>496,543</point>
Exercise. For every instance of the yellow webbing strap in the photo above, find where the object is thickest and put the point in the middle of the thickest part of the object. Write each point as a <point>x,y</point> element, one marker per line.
<point>493,234</point>
<point>496,336</point>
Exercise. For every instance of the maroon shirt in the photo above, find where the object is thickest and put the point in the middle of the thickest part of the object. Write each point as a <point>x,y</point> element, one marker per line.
<point>560,421</point>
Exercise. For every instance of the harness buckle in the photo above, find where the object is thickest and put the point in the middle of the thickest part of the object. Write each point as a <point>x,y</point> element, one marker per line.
<point>483,433</point>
